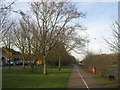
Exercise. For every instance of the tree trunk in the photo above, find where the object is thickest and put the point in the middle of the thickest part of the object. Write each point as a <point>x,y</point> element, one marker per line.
<point>44,66</point>
<point>59,64</point>
<point>23,62</point>
<point>9,66</point>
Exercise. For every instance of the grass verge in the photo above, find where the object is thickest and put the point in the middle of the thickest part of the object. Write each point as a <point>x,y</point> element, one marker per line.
<point>105,81</point>
<point>24,78</point>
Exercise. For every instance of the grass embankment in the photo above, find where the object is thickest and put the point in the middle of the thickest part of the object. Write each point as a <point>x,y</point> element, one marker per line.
<point>103,62</point>
<point>106,64</point>
<point>108,83</point>
<point>105,81</point>
<point>24,78</point>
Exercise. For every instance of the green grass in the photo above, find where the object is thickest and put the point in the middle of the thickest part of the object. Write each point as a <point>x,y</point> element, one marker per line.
<point>102,80</point>
<point>24,78</point>
<point>105,81</point>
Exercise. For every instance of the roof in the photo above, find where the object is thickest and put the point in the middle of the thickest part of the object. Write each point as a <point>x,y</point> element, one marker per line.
<point>11,50</point>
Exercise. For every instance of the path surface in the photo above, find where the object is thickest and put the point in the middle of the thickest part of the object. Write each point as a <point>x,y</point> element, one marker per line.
<point>80,79</point>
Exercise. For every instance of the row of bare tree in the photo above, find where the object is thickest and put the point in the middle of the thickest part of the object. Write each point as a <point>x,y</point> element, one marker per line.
<point>47,25</point>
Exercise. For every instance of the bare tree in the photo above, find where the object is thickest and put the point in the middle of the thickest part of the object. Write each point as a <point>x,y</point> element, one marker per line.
<point>20,42</point>
<point>25,38</point>
<point>5,9</point>
<point>114,42</point>
<point>72,42</point>
<point>51,20</point>
<point>21,37</point>
<point>5,26</point>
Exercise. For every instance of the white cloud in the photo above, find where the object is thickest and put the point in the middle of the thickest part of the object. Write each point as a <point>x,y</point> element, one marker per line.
<point>78,56</point>
<point>98,30</point>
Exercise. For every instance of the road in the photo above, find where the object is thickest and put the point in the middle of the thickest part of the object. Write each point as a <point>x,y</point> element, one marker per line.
<point>15,66</point>
<point>80,79</point>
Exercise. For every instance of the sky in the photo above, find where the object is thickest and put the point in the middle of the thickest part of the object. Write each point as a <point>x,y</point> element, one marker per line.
<point>98,21</point>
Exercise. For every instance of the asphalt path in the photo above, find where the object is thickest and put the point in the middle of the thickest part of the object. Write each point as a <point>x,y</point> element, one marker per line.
<point>81,79</point>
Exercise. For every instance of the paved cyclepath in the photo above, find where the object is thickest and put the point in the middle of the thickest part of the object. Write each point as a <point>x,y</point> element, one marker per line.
<point>80,79</point>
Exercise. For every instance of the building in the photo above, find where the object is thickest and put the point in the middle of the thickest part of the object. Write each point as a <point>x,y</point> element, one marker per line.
<point>10,53</point>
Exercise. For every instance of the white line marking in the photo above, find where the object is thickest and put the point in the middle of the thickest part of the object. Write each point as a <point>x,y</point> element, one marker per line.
<point>83,79</point>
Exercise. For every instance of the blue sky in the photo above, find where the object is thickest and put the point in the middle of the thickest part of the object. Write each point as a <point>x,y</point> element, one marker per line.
<point>98,21</point>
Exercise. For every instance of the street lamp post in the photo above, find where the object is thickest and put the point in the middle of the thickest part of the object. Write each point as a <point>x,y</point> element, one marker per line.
<point>88,47</point>
<point>100,49</point>
<point>9,55</point>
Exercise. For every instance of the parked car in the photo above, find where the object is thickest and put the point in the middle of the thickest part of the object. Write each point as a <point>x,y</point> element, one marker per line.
<point>81,64</point>
<point>12,63</point>
<point>7,62</point>
<point>26,62</point>
<point>18,62</point>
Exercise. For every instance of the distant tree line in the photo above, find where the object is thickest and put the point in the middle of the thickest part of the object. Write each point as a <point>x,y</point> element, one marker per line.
<point>104,63</point>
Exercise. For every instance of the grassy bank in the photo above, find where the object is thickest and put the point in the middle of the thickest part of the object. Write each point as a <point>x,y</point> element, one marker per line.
<point>24,78</point>
<point>105,81</point>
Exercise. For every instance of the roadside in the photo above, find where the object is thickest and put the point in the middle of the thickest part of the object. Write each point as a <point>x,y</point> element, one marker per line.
<point>80,79</point>
<point>110,83</point>
<point>15,66</point>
